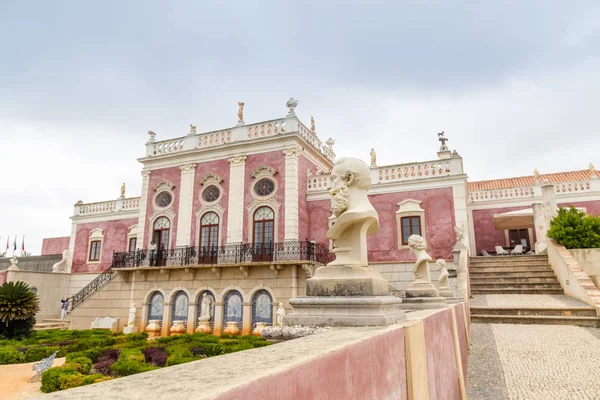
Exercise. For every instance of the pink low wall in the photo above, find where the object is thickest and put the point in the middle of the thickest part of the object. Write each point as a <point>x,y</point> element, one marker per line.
<point>2,277</point>
<point>55,245</point>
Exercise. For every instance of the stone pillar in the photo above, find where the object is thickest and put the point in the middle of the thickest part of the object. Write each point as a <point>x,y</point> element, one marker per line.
<point>192,319</point>
<point>246,327</point>
<point>235,217</point>
<point>218,325</point>
<point>291,229</point>
<point>541,227</point>
<point>186,200</point>
<point>166,321</point>
<point>549,201</point>
<point>142,210</point>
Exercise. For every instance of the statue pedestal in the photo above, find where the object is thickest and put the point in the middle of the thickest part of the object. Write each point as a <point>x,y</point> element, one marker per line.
<point>423,303</point>
<point>130,329</point>
<point>445,292</point>
<point>343,280</point>
<point>345,311</point>
<point>204,327</point>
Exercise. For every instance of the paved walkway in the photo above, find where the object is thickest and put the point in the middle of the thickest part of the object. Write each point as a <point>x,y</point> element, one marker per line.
<point>533,362</point>
<point>526,300</point>
<point>14,381</point>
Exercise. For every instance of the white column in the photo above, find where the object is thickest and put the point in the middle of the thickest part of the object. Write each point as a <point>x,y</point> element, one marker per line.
<point>459,197</point>
<point>235,211</point>
<point>291,229</point>
<point>186,200</point>
<point>142,210</point>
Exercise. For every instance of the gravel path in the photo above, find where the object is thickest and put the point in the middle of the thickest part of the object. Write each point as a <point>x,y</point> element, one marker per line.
<point>523,362</point>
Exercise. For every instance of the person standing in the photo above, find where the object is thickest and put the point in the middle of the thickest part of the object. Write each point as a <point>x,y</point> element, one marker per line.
<point>64,309</point>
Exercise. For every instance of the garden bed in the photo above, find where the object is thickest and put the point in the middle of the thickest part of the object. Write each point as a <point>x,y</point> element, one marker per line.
<point>94,356</point>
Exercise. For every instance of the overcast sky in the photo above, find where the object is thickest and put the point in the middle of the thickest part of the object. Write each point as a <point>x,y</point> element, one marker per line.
<point>515,85</point>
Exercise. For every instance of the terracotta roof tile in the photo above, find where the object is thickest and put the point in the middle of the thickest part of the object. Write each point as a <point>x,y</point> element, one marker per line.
<point>557,177</point>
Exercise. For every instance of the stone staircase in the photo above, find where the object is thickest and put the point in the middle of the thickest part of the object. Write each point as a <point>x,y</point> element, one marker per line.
<point>513,275</point>
<point>529,293</point>
<point>51,324</point>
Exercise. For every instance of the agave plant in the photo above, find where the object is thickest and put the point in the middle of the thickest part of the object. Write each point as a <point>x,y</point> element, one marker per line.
<point>18,306</point>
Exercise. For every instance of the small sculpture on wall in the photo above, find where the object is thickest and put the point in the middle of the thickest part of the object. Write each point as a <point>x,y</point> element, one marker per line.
<point>240,113</point>
<point>280,314</point>
<point>593,174</point>
<point>418,246</point>
<point>61,266</point>
<point>373,158</point>
<point>312,124</point>
<point>131,319</point>
<point>123,190</point>
<point>192,129</point>
<point>444,286</point>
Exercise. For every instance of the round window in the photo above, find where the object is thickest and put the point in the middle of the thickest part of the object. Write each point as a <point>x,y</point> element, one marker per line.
<point>211,193</point>
<point>264,187</point>
<point>163,199</point>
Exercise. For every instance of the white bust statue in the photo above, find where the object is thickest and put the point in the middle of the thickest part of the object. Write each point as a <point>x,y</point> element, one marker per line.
<point>131,319</point>
<point>354,216</point>
<point>205,308</point>
<point>418,245</point>
<point>443,279</point>
<point>280,314</point>
<point>13,264</point>
<point>61,266</point>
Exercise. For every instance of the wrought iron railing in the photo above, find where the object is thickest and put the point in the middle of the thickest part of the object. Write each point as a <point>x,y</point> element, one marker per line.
<point>93,287</point>
<point>291,250</point>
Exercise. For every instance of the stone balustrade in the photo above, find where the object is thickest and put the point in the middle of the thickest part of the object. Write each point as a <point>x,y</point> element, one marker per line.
<point>522,192</point>
<point>129,204</point>
<point>569,187</point>
<point>265,129</point>
<point>214,138</point>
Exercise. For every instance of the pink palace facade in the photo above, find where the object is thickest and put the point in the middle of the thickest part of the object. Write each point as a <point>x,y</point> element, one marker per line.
<point>252,197</point>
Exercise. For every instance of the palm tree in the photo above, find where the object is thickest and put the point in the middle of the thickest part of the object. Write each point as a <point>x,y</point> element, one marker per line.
<point>18,306</point>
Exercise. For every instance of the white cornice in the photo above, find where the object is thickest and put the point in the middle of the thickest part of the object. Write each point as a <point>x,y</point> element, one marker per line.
<point>528,201</point>
<point>109,216</point>
<point>255,146</point>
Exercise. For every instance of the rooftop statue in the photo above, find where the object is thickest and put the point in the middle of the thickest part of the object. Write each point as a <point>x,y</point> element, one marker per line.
<point>354,216</point>
<point>373,157</point>
<point>312,124</point>
<point>192,128</point>
<point>240,112</point>
<point>123,190</point>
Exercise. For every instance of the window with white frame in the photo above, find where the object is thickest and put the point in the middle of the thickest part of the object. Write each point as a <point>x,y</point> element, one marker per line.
<point>410,220</point>
<point>95,245</point>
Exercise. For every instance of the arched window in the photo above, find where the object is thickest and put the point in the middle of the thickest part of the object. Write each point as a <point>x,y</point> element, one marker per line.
<point>263,234</point>
<point>179,311</point>
<point>209,238</point>
<point>155,308</point>
<point>262,308</point>
<point>211,307</point>
<point>160,237</point>
<point>233,310</point>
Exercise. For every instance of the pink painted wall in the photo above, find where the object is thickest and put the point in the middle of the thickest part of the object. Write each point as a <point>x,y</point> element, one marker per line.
<point>221,168</point>
<point>275,160</point>
<point>304,165</point>
<point>115,239</point>
<point>383,246</point>
<point>172,175</point>
<point>462,337</point>
<point>592,207</point>
<point>441,359</point>
<point>371,369</point>
<point>55,245</point>
<point>2,277</point>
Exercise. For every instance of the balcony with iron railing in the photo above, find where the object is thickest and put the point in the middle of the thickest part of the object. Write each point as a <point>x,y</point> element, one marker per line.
<point>241,255</point>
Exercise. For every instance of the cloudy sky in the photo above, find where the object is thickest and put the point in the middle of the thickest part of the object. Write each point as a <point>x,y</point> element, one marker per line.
<point>515,85</point>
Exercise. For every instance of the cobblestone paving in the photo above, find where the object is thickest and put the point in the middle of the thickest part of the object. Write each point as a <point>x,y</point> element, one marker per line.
<point>485,378</point>
<point>526,300</point>
<point>548,361</point>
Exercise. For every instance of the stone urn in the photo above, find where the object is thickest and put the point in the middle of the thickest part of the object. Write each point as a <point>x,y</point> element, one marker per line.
<point>232,328</point>
<point>203,327</point>
<point>178,328</point>
<point>153,328</point>
<point>259,328</point>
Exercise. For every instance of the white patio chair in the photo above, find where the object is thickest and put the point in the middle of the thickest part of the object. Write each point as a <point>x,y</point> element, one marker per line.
<point>517,250</point>
<point>500,251</point>
<point>485,253</point>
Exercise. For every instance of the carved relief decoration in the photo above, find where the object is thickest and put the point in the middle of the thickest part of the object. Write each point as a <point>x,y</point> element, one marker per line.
<point>263,171</point>
<point>211,178</point>
<point>163,185</point>
<point>187,167</point>
<point>237,160</point>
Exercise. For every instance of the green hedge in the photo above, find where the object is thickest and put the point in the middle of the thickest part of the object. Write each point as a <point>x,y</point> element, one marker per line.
<point>575,230</point>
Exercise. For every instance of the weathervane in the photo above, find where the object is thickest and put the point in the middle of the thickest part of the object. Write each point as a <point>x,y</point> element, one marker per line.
<point>443,139</point>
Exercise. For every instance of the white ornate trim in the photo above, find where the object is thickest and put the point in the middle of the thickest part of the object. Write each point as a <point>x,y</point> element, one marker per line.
<point>163,185</point>
<point>185,168</point>
<point>220,297</point>
<point>203,289</point>
<point>217,209</point>
<point>155,206</point>
<point>146,173</point>
<point>292,152</point>
<point>409,208</point>
<point>132,233</point>
<point>260,287</point>
<point>237,160</point>
<point>96,235</point>
<point>263,171</point>
<point>211,178</point>
<point>211,182</point>
<point>255,205</point>
<point>179,288</point>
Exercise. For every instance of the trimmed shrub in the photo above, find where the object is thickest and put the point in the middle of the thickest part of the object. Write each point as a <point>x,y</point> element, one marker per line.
<point>103,367</point>
<point>212,349</point>
<point>109,355</point>
<point>18,306</point>
<point>179,358</point>
<point>38,353</point>
<point>126,367</point>
<point>95,378</point>
<point>574,229</point>
<point>155,356</point>
<point>81,364</point>
<point>197,351</point>
<point>51,378</point>
<point>10,355</point>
